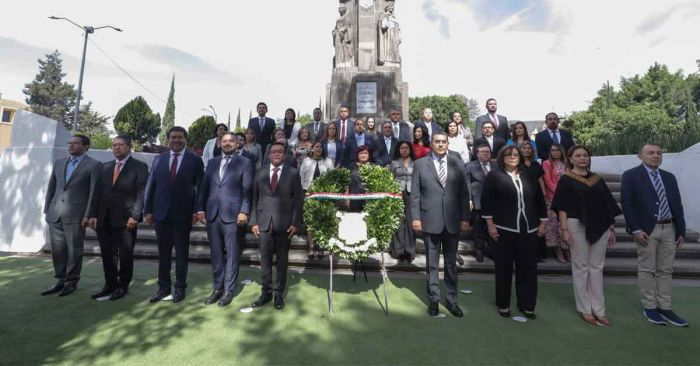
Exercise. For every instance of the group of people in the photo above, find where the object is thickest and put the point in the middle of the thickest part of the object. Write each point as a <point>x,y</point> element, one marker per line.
<point>258,179</point>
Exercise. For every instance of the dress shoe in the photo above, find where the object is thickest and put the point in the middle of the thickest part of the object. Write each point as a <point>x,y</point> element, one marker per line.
<point>226,299</point>
<point>262,300</point>
<point>479,256</point>
<point>455,310</point>
<point>102,293</point>
<point>590,319</point>
<point>118,293</point>
<point>53,290</point>
<point>279,302</point>
<point>529,314</point>
<point>460,260</point>
<point>179,295</point>
<point>67,290</point>
<point>603,321</point>
<point>505,313</point>
<point>159,295</point>
<point>214,297</point>
<point>433,309</point>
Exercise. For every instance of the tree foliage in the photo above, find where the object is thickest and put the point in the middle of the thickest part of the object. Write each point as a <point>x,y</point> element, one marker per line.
<point>169,115</point>
<point>201,130</point>
<point>441,106</point>
<point>91,121</point>
<point>48,95</point>
<point>137,120</point>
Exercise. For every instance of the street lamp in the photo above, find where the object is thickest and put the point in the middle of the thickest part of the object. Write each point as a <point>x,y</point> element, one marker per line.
<point>212,111</point>
<point>88,30</point>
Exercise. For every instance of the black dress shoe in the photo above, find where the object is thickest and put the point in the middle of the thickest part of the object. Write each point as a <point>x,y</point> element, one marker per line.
<point>460,260</point>
<point>279,302</point>
<point>159,295</point>
<point>504,313</point>
<point>53,290</point>
<point>118,293</point>
<point>262,300</point>
<point>479,256</point>
<point>456,311</point>
<point>102,293</point>
<point>226,299</point>
<point>433,309</point>
<point>529,314</point>
<point>67,290</point>
<point>214,297</point>
<point>179,295</point>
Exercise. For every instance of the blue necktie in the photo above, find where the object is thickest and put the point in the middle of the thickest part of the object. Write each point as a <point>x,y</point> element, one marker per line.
<point>555,137</point>
<point>71,168</point>
<point>664,208</point>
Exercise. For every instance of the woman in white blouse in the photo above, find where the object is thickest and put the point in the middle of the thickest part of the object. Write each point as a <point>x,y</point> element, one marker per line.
<point>457,142</point>
<point>311,167</point>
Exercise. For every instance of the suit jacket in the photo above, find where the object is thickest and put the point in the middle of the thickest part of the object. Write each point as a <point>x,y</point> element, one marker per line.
<point>69,202</point>
<point>380,155</point>
<point>118,202</point>
<point>405,131</point>
<point>640,203</point>
<point>173,198</point>
<point>475,178</point>
<point>350,151</point>
<point>228,196</point>
<point>544,142</point>
<point>435,127</point>
<point>339,151</point>
<point>276,211</point>
<point>349,128</point>
<point>500,201</point>
<point>439,208</point>
<point>263,137</point>
<point>498,144</point>
<point>503,131</point>
<point>317,136</point>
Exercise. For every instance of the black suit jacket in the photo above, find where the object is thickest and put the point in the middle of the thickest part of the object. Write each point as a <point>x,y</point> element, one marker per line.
<point>380,155</point>
<point>264,137</point>
<point>503,130</point>
<point>499,201</point>
<point>349,128</point>
<point>544,142</point>
<point>173,198</point>
<point>405,131</point>
<point>350,151</point>
<point>498,144</point>
<point>475,178</point>
<point>276,211</point>
<point>123,200</point>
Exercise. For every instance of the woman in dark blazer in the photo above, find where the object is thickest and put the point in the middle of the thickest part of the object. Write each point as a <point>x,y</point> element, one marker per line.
<point>364,154</point>
<point>332,146</point>
<point>516,214</point>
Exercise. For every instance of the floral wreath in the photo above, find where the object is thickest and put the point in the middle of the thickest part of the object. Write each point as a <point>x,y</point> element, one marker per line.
<point>384,210</point>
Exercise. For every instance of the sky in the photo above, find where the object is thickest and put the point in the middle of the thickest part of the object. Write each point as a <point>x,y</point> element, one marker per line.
<point>533,56</point>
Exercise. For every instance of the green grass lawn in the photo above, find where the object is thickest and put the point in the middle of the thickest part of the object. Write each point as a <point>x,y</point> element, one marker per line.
<point>76,330</point>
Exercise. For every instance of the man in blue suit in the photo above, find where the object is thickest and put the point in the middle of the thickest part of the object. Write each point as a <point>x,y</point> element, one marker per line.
<point>169,205</point>
<point>223,203</point>
<point>354,141</point>
<point>262,126</point>
<point>651,202</point>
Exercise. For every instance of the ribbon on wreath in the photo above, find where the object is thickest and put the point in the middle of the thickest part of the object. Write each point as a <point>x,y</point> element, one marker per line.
<point>352,196</point>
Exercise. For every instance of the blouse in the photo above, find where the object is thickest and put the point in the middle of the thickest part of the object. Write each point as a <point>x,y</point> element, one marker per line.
<point>588,199</point>
<point>420,151</point>
<point>459,145</point>
<point>255,150</point>
<point>552,172</point>
<point>402,174</point>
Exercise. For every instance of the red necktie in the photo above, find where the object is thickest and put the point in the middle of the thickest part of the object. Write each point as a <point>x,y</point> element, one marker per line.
<point>342,132</point>
<point>275,179</point>
<point>173,166</point>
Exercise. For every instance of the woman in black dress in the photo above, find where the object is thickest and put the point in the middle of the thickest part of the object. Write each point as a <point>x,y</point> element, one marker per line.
<point>403,244</point>
<point>516,214</point>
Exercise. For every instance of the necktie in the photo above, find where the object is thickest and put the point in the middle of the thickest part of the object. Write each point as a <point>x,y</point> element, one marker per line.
<point>342,131</point>
<point>664,208</point>
<point>222,171</point>
<point>117,170</point>
<point>484,168</point>
<point>555,136</point>
<point>261,121</point>
<point>387,141</point>
<point>494,119</point>
<point>275,179</point>
<point>441,172</point>
<point>396,129</point>
<point>317,171</point>
<point>70,168</point>
<point>173,166</point>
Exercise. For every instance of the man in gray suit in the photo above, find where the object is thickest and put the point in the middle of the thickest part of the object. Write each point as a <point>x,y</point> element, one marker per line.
<point>317,127</point>
<point>476,172</point>
<point>69,201</point>
<point>500,123</point>
<point>440,211</point>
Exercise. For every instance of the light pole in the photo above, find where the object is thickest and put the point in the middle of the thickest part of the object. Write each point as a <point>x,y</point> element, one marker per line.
<point>212,111</point>
<point>88,30</point>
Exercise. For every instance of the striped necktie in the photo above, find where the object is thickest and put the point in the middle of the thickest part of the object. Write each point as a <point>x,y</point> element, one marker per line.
<point>442,174</point>
<point>664,208</point>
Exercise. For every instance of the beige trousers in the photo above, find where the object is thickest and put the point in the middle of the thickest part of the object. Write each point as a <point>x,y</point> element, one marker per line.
<point>587,261</point>
<point>655,268</point>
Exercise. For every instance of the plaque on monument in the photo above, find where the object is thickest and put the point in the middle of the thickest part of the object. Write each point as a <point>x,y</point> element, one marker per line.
<point>366,4</point>
<point>366,97</point>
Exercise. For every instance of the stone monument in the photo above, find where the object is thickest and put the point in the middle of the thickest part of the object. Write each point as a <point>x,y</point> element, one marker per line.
<point>367,64</point>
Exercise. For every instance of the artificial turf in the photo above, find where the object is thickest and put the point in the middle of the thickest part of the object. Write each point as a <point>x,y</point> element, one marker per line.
<point>76,330</point>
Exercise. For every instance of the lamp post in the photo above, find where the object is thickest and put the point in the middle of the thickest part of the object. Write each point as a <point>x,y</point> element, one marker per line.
<point>213,112</point>
<point>88,30</point>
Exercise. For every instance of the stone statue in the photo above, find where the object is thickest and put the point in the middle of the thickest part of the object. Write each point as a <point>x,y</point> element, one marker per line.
<point>389,37</point>
<point>343,40</point>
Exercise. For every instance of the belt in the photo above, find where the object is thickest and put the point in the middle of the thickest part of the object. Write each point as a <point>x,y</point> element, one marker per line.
<point>663,222</point>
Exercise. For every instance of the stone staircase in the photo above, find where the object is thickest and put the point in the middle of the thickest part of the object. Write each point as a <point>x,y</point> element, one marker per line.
<point>621,258</point>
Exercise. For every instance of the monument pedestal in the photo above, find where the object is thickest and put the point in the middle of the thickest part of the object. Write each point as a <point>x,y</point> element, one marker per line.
<point>368,93</point>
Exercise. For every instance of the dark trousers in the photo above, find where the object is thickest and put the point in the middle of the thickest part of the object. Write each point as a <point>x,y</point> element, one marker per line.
<point>270,243</point>
<point>449,243</point>
<point>519,249</point>
<point>224,246</point>
<point>479,232</point>
<point>117,248</point>
<point>173,234</point>
<point>67,251</point>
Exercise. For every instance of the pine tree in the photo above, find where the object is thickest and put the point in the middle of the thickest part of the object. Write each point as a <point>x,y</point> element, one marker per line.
<point>169,115</point>
<point>136,119</point>
<point>238,120</point>
<point>48,95</point>
<point>228,124</point>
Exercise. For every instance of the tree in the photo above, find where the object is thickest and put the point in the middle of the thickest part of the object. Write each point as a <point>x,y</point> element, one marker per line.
<point>305,119</point>
<point>137,120</point>
<point>442,108</point>
<point>169,115</point>
<point>201,130</point>
<point>473,105</point>
<point>48,95</point>
<point>92,121</point>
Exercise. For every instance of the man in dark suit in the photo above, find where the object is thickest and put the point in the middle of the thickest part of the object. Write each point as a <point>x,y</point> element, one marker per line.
<point>651,202</point>
<point>223,203</point>
<point>276,217</point>
<point>488,138</point>
<point>440,211</point>
<point>344,124</point>
<point>354,141</point>
<point>552,134</point>
<point>69,201</point>
<point>262,126</point>
<point>476,172</point>
<point>427,122</point>
<point>119,210</point>
<point>500,123</point>
<point>171,191</point>
<point>317,128</point>
<point>383,150</point>
<point>400,129</point>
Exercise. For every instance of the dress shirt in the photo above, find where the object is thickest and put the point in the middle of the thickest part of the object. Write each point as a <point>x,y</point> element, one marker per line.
<point>360,138</point>
<point>387,142</point>
<point>279,172</point>
<point>179,159</point>
<point>490,141</point>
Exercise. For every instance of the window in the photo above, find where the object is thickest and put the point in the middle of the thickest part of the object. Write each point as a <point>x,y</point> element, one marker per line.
<point>6,116</point>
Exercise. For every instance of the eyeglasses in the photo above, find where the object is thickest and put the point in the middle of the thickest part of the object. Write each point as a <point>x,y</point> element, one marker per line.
<point>276,151</point>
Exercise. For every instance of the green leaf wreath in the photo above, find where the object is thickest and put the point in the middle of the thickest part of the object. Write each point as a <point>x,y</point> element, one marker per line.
<point>384,216</point>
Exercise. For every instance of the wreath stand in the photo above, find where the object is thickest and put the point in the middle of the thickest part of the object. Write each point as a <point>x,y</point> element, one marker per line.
<point>384,274</point>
